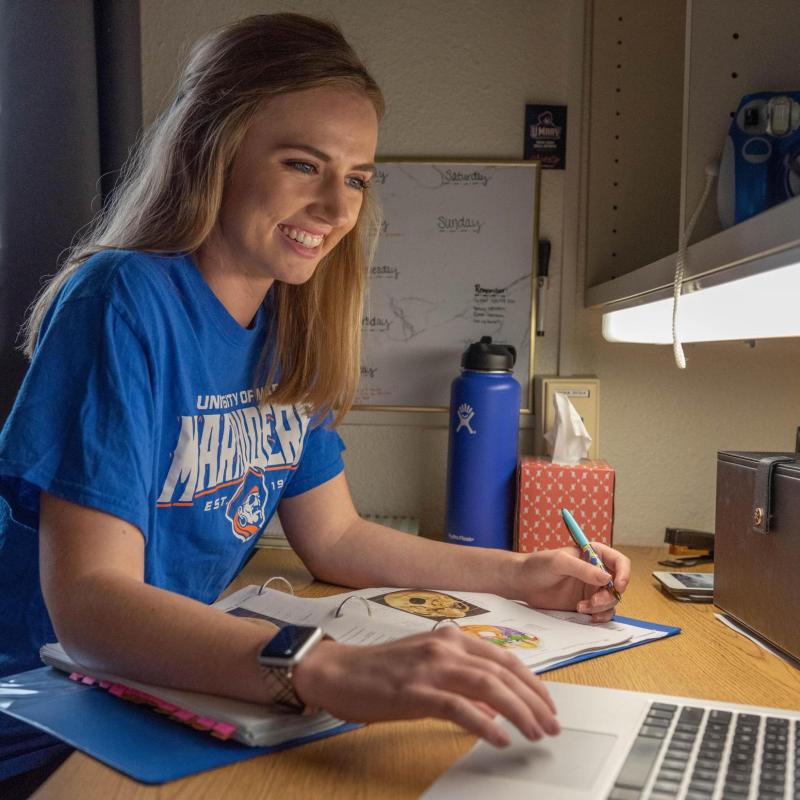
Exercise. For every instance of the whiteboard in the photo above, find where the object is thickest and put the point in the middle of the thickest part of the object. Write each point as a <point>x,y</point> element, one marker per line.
<point>455,261</point>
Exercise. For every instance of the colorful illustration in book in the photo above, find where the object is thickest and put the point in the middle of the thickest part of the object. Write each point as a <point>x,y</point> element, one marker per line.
<point>428,604</point>
<point>503,637</point>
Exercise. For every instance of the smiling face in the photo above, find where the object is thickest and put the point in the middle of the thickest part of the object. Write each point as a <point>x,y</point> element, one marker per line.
<point>295,189</point>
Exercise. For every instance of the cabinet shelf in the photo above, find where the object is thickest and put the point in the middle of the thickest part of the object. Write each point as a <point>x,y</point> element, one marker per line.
<point>661,99</point>
<point>767,241</point>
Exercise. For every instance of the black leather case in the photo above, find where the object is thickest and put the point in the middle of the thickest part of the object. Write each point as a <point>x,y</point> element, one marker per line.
<point>757,544</point>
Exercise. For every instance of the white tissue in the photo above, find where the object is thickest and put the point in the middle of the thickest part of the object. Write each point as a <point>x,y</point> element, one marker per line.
<point>568,439</point>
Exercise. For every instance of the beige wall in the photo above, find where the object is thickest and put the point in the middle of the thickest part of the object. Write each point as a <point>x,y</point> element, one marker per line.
<point>457,74</point>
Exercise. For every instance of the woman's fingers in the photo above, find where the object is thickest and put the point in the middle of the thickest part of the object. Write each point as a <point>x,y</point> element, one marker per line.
<point>480,681</point>
<point>512,664</point>
<point>598,603</point>
<point>446,673</point>
<point>567,564</point>
<point>455,708</point>
<point>598,599</point>
<point>486,709</point>
<point>485,673</point>
<point>617,564</point>
<point>605,616</point>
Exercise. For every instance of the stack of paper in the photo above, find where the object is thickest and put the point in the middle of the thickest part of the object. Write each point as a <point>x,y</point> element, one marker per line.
<point>249,723</point>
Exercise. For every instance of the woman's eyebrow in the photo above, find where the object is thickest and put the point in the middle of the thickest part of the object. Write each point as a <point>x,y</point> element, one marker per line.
<point>323,156</point>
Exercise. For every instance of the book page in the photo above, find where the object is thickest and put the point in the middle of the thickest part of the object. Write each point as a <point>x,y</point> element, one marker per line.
<point>373,616</point>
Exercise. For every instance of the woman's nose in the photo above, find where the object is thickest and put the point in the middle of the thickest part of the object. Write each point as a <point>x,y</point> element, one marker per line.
<point>337,204</point>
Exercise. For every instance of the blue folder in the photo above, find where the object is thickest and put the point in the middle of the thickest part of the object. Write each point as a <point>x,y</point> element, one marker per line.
<point>669,630</point>
<point>147,746</point>
<point>131,738</point>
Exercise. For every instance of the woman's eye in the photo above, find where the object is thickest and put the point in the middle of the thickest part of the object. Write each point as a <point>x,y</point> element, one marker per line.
<point>358,183</point>
<point>302,166</point>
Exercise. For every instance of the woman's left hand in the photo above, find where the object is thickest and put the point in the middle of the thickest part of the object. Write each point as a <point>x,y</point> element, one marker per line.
<point>561,579</point>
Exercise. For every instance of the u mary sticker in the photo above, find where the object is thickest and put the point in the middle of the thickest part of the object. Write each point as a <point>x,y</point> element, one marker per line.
<point>546,135</point>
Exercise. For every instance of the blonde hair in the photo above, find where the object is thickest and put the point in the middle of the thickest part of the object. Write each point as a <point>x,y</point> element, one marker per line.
<point>171,191</point>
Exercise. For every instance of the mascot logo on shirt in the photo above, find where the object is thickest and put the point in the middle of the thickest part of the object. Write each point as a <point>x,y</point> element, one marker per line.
<point>246,508</point>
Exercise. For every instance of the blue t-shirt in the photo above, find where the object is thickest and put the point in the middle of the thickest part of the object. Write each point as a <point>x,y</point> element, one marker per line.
<point>140,401</point>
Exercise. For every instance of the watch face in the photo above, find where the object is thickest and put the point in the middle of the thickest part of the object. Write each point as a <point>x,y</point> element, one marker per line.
<point>290,644</point>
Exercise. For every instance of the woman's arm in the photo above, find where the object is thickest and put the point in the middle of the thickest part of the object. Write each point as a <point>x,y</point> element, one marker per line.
<point>105,616</point>
<point>92,575</point>
<point>339,547</point>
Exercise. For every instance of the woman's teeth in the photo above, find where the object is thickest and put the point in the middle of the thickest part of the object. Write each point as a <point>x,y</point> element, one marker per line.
<point>303,237</point>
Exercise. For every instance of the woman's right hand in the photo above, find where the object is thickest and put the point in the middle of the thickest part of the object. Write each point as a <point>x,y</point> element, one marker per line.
<point>444,673</point>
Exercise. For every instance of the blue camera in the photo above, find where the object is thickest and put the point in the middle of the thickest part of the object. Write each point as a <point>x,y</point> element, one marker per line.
<point>761,158</point>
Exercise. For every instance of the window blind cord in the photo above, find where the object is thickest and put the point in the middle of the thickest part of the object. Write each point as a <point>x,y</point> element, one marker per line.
<point>712,170</point>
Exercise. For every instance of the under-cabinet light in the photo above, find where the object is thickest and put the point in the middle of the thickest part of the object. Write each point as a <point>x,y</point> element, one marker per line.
<point>762,305</point>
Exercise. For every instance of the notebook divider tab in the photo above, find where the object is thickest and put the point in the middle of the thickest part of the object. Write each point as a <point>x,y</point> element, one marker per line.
<point>218,729</point>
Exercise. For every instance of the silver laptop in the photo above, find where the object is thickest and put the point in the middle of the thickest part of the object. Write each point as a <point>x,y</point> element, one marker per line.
<point>618,745</point>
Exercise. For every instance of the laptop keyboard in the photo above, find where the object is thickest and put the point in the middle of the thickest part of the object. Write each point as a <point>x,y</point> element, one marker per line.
<point>706,754</point>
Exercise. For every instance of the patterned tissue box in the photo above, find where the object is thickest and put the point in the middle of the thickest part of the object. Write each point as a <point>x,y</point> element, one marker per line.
<point>586,490</point>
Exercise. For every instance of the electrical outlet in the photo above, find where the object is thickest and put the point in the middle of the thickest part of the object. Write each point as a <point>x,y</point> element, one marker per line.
<point>584,394</point>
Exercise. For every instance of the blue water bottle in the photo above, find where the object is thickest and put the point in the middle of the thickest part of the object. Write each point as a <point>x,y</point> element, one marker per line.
<point>482,452</point>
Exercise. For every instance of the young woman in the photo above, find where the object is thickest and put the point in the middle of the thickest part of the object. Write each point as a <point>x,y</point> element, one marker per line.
<point>187,367</point>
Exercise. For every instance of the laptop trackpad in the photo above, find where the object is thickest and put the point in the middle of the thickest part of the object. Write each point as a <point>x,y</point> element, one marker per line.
<point>551,760</point>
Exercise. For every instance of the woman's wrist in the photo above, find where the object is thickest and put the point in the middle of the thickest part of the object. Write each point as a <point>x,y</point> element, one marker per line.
<point>517,577</point>
<point>311,676</point>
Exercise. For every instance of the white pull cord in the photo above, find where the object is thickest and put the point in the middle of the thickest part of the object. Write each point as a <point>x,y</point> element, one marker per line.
<point>712,170</point>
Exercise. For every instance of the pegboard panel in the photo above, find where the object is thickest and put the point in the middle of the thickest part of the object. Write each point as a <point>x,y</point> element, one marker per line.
<point>736,47</point>
<point>636,112</point>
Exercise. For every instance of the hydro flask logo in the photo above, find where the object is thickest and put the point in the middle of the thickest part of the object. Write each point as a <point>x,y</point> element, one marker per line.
<point>465,415</point>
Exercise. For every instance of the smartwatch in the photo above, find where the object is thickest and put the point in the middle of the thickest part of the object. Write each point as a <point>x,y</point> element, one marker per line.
<point>281,654</point>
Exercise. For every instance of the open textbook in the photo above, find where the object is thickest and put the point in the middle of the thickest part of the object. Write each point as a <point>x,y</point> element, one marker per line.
<point>541,639</point>
<point>372,616</point>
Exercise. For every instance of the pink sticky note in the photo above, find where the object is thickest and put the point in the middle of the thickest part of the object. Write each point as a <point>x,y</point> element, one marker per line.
<point>223,730</point>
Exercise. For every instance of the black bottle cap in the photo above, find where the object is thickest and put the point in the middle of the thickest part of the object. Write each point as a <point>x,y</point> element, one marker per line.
<point>484,356</point>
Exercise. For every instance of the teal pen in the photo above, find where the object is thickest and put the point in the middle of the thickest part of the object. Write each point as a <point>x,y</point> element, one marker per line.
<point>579,537</point>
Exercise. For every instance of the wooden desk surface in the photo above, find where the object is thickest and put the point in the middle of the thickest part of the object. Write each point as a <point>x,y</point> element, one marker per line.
<point>401,759</point>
